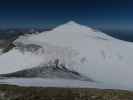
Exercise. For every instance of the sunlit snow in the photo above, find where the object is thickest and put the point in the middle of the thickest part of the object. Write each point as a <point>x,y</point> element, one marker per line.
<point>80,48</point>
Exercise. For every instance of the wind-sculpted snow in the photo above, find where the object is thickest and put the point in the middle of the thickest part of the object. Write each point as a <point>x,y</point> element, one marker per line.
<point>81,49</point>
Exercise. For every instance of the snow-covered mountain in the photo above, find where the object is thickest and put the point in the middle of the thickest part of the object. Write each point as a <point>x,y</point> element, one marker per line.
<point>79,48</point>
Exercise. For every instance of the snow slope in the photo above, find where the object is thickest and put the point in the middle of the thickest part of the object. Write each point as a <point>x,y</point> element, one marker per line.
<point>0,51</point>
<point>80,48</point>
<point>68,83</point>
<point>15,60</point>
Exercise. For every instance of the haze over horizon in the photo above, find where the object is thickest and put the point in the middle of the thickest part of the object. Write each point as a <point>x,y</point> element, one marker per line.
<point>102,14</point>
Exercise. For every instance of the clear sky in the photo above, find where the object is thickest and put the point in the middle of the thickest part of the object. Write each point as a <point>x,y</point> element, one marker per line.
<point>113,14</point>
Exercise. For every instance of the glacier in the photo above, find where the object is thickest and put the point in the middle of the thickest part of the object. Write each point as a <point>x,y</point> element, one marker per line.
<point>80,48</point>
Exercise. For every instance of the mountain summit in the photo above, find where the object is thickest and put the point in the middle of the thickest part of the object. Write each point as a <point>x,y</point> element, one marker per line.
<point>78,48</point>
<point>71,25</point>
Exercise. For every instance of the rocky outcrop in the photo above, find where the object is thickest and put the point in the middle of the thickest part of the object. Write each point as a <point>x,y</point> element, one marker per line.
<point>48,71</point>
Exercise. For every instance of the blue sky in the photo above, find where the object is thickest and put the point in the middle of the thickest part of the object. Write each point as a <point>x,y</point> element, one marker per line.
<point>112,14</point>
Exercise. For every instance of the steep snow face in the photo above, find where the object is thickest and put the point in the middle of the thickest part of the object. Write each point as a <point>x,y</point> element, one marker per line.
<point>79,48</point>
